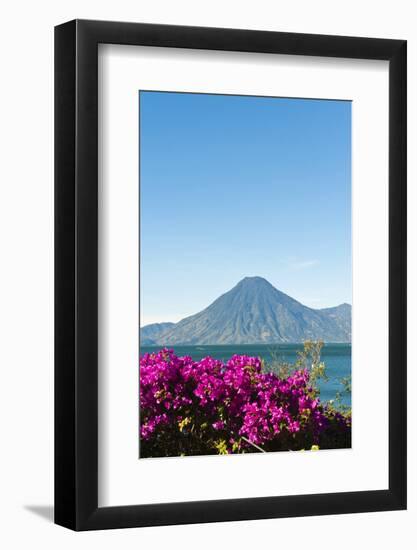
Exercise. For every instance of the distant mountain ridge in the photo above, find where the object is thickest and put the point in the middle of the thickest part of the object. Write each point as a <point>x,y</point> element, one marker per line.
<point>253,312</point>
<point>151,333</point>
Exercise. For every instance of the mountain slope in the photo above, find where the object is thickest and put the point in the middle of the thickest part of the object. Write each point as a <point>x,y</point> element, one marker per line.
<point>341,316</point>
<point>256,312</point>
<point>150,334</point>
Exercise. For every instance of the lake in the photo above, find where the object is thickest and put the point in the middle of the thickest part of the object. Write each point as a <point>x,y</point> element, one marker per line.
<point>337,358</point>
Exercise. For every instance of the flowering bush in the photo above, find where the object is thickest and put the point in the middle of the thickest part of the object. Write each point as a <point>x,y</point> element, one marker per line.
<point>211,407</point>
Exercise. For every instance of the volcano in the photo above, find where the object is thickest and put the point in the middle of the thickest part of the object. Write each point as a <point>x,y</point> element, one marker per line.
<point>253,312</point>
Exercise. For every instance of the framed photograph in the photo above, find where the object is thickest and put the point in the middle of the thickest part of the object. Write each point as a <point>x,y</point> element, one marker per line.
<point>230,255</point>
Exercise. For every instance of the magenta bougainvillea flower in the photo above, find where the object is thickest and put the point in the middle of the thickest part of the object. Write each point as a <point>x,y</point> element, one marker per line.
<point>206,407</point>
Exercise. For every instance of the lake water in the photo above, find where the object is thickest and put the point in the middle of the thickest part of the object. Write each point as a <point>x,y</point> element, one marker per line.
<point>337,358</point>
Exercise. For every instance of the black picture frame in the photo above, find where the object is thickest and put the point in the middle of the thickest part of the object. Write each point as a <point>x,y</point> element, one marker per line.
<point>76,272</point>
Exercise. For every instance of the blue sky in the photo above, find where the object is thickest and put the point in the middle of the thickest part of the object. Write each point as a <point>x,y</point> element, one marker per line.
<point>235,186</point>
